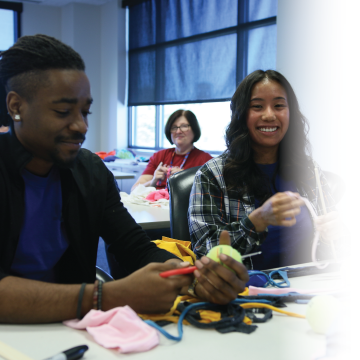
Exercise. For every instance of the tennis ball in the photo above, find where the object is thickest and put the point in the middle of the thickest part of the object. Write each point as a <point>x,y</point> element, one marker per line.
<point>321,312</point>
<point>228,250</point>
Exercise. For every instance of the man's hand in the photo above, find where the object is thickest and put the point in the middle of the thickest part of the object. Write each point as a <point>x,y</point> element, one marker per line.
<point>216,283</point>
<point>145,291</point>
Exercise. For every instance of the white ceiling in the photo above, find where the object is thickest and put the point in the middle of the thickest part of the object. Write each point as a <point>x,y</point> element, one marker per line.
<point>64,2</point>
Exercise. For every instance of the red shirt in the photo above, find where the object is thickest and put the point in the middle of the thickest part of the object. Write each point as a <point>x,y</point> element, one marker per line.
<point>196,158</point>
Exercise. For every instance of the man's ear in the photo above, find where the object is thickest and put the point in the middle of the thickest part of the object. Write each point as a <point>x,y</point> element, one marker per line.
<point>14,104</point>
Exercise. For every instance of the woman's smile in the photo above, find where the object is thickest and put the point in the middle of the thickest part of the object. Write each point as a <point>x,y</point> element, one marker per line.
<point>268,116</point>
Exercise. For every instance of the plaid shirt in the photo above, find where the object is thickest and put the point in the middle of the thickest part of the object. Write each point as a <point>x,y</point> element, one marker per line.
<point>213,209</point>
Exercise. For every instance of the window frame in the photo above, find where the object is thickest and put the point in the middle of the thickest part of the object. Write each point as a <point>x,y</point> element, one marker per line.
<point>160,122</point>
<point>159,118</point>
<point>241,29</point>
<point>17,8</point>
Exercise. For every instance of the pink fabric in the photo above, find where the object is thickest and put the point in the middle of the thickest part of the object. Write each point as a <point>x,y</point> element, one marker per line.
<point>158,195</point>
<point>253,290</point>
<point>118,328</point>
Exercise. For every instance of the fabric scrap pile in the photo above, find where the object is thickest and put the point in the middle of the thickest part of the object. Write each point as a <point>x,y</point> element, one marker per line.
<point>143,195</point>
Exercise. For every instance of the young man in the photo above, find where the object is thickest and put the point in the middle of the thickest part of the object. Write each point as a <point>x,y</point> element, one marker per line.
<point>57,199</point>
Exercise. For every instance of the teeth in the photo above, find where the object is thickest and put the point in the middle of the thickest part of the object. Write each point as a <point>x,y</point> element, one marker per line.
<point>268,129</point>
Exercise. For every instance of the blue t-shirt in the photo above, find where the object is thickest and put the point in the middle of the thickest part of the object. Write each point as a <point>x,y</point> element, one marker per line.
<point>42,239</point>
<point>284,245</point>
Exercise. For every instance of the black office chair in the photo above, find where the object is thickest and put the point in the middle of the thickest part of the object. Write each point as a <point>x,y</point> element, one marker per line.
<point>179,186</point>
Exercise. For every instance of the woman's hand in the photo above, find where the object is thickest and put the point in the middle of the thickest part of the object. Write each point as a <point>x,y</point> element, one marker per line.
<point>175,169</point>
<point>159,174</point>
<point>280,210</point>
<point>330,226</point>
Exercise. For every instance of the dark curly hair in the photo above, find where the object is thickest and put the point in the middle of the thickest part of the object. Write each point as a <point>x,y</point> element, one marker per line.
<point>240,172</point>
<point>22,66</point>
<point>190,117</point>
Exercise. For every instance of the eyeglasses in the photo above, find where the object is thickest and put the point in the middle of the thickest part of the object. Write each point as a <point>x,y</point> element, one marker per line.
<point>182,128</point>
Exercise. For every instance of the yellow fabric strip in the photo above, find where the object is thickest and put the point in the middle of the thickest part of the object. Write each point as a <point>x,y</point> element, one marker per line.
<point>258,305</point>
<point>181,249</point>
<point>7,352</point>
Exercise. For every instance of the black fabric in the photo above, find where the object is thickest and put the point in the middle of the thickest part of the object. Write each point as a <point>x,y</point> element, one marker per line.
<point>279,300</point>
<point>232,316</point>
<point>251,314</point>
<point>275,300</point>
<point>195,51</point>
<point>91,208</point>
<point>180,185</point>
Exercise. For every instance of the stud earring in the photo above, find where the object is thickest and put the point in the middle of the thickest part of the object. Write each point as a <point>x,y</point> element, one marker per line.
<point>17,117</point>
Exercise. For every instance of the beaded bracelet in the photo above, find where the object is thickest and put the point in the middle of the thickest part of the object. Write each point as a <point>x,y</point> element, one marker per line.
<point>97,296</point>
<point>81,295</point>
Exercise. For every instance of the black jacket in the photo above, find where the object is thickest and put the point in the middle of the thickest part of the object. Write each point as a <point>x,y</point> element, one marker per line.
<point>91,208</point>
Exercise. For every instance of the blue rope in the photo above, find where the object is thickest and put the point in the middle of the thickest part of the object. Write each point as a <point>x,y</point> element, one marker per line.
<point>279,284</point>
<point>270,280</point>
<point>180,322</point>
<point>187,309</point>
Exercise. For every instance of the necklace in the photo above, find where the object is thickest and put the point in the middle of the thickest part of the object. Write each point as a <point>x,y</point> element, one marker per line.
<point>171,163</point>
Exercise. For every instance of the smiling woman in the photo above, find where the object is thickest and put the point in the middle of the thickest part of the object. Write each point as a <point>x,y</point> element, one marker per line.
<point>252,190</point>
<point>267,120</point>
<point>182,129</point>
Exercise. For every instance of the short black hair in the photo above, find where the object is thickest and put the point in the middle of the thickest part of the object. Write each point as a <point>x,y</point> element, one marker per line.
<point>22,66</point>
<point>190,117</point>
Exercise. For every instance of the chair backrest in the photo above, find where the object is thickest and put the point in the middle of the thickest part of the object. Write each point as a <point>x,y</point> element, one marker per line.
<point>336,184</point>
<point>179,191</point>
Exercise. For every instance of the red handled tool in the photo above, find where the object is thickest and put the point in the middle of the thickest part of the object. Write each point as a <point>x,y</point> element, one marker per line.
<point>191,269</point>
<point>187,270</point>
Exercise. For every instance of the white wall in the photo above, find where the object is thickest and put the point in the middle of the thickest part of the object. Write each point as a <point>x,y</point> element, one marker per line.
<point>122,115</point>
<point>317,50</point>
<point>305,57</point>
<point>38,19</point>
<point>98,34</point>
<point>81,27</point>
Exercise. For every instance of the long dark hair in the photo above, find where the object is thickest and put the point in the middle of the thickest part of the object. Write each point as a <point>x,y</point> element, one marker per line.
<point>240,171</point>
<point>22,65</point>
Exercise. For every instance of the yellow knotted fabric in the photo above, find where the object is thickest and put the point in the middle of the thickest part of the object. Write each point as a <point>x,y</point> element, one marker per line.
<point>181,249</point>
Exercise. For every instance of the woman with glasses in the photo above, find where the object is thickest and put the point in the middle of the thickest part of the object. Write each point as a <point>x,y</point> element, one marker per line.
<point>182,129</point>
<point>252,189</point>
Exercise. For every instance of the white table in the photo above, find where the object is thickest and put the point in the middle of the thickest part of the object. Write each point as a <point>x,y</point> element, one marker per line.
<point>281,338</point>
<point>119,175</point>
<point>149,217</point>
<point>129,167</point>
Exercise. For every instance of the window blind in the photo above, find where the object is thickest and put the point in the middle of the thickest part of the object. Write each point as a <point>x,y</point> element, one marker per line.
<point>183,51</point>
